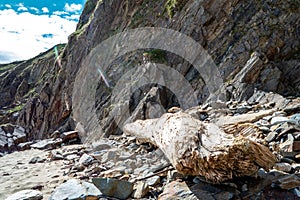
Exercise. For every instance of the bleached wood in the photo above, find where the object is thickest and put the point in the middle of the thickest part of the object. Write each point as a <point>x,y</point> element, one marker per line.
<point>197,148</point>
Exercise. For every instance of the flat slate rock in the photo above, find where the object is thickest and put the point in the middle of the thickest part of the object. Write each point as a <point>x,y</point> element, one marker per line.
<point>113,187</point>
<point>26,195</point>
<point>46,144</point>
<point>73,189</point>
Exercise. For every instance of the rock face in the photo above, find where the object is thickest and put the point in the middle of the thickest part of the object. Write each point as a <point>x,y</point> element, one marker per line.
<point>230,31</point>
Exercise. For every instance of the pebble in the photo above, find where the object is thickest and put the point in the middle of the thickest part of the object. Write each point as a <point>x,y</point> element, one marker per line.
<point>296,192</point>
<point>244,188</point>
<point>287,160</point>
<point>36,159</point>
<point>279,114</point>
<point>271,136</point>
<point>85,159</point>
<point>153,180</point>
<point>56,155</point>
<point>264,129</point>
<point>285,167</point>
<point>71,157</point>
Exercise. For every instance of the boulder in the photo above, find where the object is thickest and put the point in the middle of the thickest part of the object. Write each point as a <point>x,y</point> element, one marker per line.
<point>113,187</point>
<point>73,189</point>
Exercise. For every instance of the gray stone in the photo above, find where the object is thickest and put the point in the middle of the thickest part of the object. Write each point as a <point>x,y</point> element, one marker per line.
<point>36,159</point>
<point>26,195</point>
<point>292,108</point>
<point>295,116</point>
<point>10,143</point>
<point>72,189</point>
<point>110,155</point>
<point>153,180</point>
<point>243,109</point>
<point>47,144</point>
<point>180,190</point>
<point>244,188</point>
<point>264,129</point>
<point>297,192</point>
<point>55,155</point>
<point>3,142</point>
<point>271,136</point>
<point>71,157</point>
<point>101,145</point>
<point>279,114</point>
<point>113,187</point>
<point>86,159</point>
<point>19,135</point>
<point>285,167</point>
<point>224,195</point>
<point>279,120</point>
<point>91,190</point>
<point>24,146</point>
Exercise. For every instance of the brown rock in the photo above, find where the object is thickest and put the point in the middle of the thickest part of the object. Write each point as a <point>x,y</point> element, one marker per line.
<point>289,182</point>
<point>66,136</point>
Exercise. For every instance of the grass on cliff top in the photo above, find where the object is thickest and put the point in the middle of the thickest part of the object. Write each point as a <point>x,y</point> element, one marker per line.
<point>5,67</point>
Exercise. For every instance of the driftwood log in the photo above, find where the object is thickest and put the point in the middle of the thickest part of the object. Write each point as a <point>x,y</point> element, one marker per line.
<point>198,148</point>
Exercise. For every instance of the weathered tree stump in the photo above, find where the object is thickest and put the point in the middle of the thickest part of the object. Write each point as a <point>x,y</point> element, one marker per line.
<point>198,148</point>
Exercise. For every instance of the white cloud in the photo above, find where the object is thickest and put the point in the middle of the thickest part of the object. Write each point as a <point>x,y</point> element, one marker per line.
<point>72,7</point>
<point>25,35</point>
<point>34,9</point>
<point>60,13</point>
<point>73,17</point>
<point>22,8</point>
<point>45,10</point>
<point>7,6</point>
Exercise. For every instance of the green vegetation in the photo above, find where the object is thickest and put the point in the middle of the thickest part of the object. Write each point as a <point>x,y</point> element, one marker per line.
<point>173,6</point>
<point>15,109</point>
<point>6,67</point>
<point>156,55</point>
<point>31,91</point>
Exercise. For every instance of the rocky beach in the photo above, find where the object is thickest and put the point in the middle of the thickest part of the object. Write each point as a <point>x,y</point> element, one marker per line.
<point>170,99</point>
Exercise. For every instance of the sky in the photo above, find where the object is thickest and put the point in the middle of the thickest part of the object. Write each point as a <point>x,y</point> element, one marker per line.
<point>29,27</point>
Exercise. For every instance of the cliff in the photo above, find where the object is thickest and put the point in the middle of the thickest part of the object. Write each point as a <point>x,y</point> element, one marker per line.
<point>237,35</point>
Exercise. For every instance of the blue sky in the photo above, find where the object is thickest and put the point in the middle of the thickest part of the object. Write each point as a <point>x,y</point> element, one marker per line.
<point>30,27</point>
